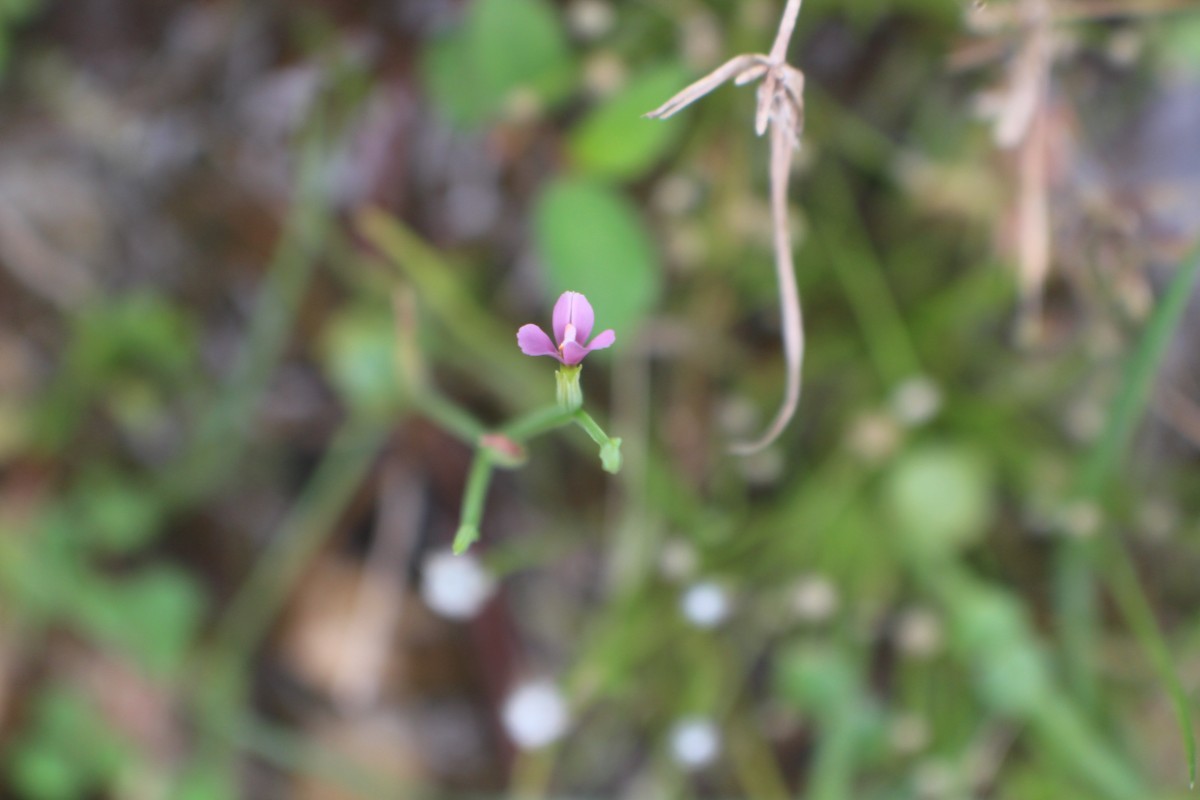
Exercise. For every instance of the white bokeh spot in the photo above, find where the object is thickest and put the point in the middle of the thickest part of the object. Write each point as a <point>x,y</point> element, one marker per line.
<point>535,714</point>
<point>705,604</point>
<point>916,401</point>
<point>695,742</point>
<point>456,587</point>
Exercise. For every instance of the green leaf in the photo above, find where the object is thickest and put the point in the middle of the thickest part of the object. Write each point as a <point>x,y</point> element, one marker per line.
<point>141,331</point>
<point>592,241</point>
<point>1015,680</point>
<point>987,621</point>
<point>151,615</point>
<point>518,44</point>
<point>67,747</point>
<point>164,606</point>
<point>616,141</point>
<point>816,679</point>
<point>42,772</point>
<point>1180,43</point>
<point>940,496</point>
<point>117,516</point>
<point>504,49</point>
<point>206,781</point>
<point>359,351</point>
<point>449,74</point>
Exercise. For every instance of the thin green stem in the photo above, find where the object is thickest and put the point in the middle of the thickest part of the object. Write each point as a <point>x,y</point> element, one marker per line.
<point>585,421</point>
<point>305,530</point>
<point>218,679</point>
<point>298,756</point>
<point>1078,620</point>
<point>449,416</point>
<point>610,447</point>
<point>474,495</point>
<point>476,338</point>
<point>521,430</point>
<point>219,439</point>
<point>537,422</point>
<point>1061,728</point>
<point>859,268</point>
<point>833,766</point>
<point>754,762</point>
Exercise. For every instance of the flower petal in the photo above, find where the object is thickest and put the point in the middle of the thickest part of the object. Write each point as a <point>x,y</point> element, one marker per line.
<point>562,314</point>
<point>573,308</point>
<point>533,341</point>
<point>573,353</point>
<point>582,317</point>
<point>603,340</point>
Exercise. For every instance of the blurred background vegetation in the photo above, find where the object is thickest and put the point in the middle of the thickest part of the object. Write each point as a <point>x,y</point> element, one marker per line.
<point>261,269</point>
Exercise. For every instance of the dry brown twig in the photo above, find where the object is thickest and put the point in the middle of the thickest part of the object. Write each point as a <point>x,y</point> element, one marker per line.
<point>1029,125</point>
<point>780,107</point>
<point>1020,125</point>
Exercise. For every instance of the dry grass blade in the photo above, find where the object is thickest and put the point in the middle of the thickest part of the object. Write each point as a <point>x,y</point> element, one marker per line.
<point>1021,125</point>
<point>781,108</point>
<point>787,26</point>
<point>783,142</point>
<point>1033,226</point>
<point>751,75</point>
<point>738,66</point>
<point>1028,91</point>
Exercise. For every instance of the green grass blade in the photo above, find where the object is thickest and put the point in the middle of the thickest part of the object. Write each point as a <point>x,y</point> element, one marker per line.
<point>1139,379</point>
<point>1101,466</point>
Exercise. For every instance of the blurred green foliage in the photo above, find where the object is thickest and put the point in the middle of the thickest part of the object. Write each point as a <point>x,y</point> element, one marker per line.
<point>507,53</point>
<point>69,750</point>
<point>906,590</point>
<point>609,257</point>
<point>12,14</point>
<point>615,141</point>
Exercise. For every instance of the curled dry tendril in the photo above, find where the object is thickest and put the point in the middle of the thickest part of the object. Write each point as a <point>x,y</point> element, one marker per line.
<point>780,109</point>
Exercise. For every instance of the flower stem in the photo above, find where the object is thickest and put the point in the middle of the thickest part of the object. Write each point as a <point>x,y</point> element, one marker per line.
<point>473,497</point>
<point>521,430</point>
<point>307,527</point>
<point>610,447</point>
<point>537,422</point>
<point>448,416</point>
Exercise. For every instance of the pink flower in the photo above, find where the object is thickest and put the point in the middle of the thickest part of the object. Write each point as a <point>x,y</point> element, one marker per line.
<point>573,320</point>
